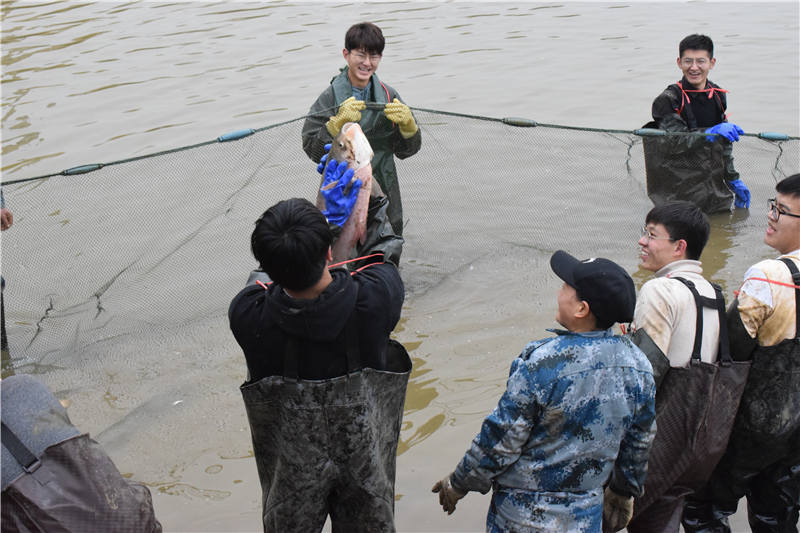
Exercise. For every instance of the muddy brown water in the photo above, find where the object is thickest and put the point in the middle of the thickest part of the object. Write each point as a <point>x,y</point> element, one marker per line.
<point>89,82</point>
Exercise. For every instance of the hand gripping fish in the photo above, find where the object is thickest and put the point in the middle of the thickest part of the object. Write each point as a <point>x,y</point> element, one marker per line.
<point>351,145</point>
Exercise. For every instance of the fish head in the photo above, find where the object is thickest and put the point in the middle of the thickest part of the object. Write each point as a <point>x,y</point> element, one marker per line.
<point>351,145</point>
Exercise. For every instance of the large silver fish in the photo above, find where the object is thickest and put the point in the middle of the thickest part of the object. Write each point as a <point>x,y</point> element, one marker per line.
<point>351,145</point>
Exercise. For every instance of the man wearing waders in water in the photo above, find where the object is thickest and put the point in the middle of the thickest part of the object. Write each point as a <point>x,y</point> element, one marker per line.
<point>695,104</point>
<point>679,323</point>
<point>326,385</point>
<point>577,414</point>
<point>387,122</point>
<point>762,461</point>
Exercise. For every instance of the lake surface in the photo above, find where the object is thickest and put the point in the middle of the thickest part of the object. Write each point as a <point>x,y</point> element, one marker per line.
<point>97,82</point>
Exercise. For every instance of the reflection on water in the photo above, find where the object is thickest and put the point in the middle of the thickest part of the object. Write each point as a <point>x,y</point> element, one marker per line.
<point>421,433</point>
<point>101,81</point>
<point>189,491</point>
<point>86,82</point>
<point>421,391</point>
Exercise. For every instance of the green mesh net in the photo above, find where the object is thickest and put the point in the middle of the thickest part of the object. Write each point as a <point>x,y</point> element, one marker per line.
<point>157,246</point>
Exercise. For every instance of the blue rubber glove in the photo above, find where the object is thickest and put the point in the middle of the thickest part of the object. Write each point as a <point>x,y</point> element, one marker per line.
<point>742,193</point>
<point>729,130</point>
<point>324,158</point>
<point>338,204</point>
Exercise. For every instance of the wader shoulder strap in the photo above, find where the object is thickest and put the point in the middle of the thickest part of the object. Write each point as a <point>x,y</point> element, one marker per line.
<point>796,279</point>
<point>685,111</point>
<point>20,452</point>
<point>718,303</point>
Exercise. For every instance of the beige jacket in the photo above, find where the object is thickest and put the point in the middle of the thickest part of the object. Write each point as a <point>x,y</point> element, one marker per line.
<point>768,309</point>
<point>667,311</point>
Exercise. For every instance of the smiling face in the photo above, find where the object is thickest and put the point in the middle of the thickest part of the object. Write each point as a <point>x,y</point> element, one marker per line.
<point>361,66</point>
<point>695,65</point>
<point>783,234</point>
<point>658,249</point>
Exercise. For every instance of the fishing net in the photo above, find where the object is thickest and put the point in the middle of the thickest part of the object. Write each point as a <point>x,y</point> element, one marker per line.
<point>146,254</point>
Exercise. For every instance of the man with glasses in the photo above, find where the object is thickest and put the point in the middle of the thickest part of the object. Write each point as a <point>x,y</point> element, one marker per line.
<point>762,461</point>
<point>667,330</point>
<point>357,95</point>
<point>696,104</point>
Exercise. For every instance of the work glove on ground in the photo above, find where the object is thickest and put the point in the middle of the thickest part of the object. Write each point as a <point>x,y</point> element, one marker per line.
<point>617,510</point>
<point>338,202</point>
<point>349,111</point>
<point>448,495</point>
<point>324,158</point>
<point>400,114</point>
<point>729,130</point>
<point>742,193</point>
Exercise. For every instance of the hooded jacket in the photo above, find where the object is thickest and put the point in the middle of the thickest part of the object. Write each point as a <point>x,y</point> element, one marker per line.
<point>263,320</point>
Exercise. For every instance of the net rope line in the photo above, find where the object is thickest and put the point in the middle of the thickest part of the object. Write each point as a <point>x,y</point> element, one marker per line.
<point>509,121</point>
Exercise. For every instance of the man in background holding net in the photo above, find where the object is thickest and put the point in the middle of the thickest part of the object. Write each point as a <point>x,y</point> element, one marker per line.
<point>694,103</point>
<point>389,126</point>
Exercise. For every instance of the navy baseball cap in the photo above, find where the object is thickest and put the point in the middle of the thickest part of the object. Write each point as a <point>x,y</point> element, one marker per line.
<point>602,283</point>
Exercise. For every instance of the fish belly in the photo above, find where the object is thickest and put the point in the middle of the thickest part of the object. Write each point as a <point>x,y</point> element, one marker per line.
<point>355,228</point>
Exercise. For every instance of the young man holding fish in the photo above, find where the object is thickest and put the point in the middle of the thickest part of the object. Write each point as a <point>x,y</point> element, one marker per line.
<point>762,460</point>
<point>577,414</point>
<point>326,385</point>
<point>357,95</point>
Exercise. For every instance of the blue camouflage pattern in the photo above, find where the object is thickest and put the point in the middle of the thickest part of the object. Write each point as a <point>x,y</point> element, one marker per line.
<point>577,407</point>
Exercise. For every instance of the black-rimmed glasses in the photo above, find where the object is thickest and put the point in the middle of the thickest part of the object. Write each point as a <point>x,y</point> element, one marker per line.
<point>776,211</point>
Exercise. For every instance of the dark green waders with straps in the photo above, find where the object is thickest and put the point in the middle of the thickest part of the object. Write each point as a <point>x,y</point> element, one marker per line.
<point>695,410</point>
<point>762,461</point>
<point>328,447</point>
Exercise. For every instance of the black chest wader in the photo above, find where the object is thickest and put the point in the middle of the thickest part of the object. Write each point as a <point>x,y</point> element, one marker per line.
<point>685,167</point>
<point>329,446</point>
<point>74,487</point>
<point>695,410</point>
<point>762,461</point>
<point>379,131</point>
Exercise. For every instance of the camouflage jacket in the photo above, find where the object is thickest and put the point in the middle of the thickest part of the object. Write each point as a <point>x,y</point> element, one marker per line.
<point>577,408</point>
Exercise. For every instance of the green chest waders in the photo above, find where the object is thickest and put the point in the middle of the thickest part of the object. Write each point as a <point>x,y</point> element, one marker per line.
<point>767,427</point>
<point>379,131</point>
<point>328,447</point>
<point>762,461</point>
<point>695,411</point>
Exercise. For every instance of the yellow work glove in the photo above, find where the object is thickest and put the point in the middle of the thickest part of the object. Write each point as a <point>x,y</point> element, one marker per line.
<point>617,510</point>
<point>400,114</point>
<point>349,111</point>
<point>448,494</point>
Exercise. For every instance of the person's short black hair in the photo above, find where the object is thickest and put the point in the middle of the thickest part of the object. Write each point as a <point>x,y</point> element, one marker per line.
<point>366,36</point>
<point>789,186</point>
<point>291,242</point>
<point>696,41</point>
<point>683,220</point>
